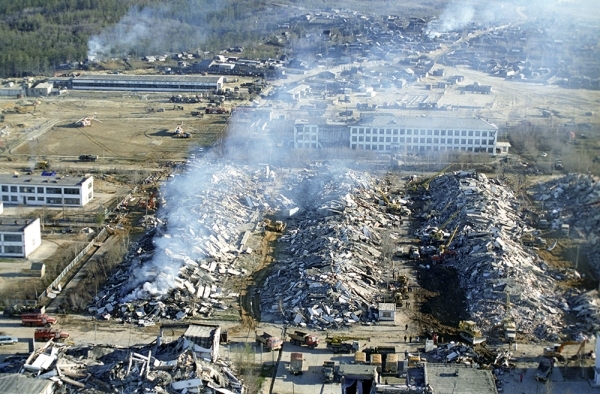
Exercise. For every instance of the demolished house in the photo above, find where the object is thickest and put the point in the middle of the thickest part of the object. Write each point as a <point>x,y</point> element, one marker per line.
<point>182,366</point>
<point>489,257</point>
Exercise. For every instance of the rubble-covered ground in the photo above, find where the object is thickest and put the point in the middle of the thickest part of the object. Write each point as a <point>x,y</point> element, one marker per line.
<point>490,258</point>
<point>167,368</point>
<point>329,269</point>
<point>575,200</point>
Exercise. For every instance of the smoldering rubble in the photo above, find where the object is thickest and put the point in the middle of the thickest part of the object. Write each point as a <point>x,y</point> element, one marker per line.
<point>178,268</point>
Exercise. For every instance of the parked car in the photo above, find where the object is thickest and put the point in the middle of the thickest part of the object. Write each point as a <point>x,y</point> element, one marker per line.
<point>6,340</point>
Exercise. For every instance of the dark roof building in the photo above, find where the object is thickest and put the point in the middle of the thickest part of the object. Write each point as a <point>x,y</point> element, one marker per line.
<point>147,83</point>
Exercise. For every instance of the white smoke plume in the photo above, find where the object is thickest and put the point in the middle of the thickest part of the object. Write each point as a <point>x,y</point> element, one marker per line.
<point>170,27</point>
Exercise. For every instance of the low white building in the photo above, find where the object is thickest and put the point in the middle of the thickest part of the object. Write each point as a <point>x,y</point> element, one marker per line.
<point>19,238</point>
<point>387,311</point>
<point>46,190</point>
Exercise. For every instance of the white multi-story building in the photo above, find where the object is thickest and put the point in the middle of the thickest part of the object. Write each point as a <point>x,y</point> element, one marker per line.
<point>46,190</point>
<point>19,238</point>
<point>424,134</point>
<point>392,134</point>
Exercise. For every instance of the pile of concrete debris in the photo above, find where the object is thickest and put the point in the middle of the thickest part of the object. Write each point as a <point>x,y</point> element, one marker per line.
<point>178,367</point>
<point>178,269</point>
<point>329,271</point>
<point>574,201</point>
<point>485,247</point>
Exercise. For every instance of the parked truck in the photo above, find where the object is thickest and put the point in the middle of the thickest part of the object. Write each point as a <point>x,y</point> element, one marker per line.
<point>88,158</point>
<point>343,344</point>
<point>37,319</point>
<point>296,363</point>
<point>45,334</point>
<point>328,370</point>
<point>269,341</point>
<point>544,369</point>
<point>300,338</point>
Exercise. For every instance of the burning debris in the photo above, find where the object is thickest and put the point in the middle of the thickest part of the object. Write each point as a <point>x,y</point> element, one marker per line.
<point>178,269</point>
<point>177,367</point>
<point>489,257</point>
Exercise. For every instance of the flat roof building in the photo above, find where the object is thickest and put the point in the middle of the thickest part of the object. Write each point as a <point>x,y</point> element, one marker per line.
<point>19,238</point>
<point>387,311</point>
<point>46,190</point>
<point>147,83</point>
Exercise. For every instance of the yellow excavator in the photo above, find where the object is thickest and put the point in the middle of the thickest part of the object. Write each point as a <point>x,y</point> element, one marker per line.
<point>556,350</point>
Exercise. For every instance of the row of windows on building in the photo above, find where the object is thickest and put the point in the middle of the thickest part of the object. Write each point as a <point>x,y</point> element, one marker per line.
<point>48,200</point>
<point>137,85</point>
<point>39,190</point>
<point>12,237</point>
<point>413,148</point>
<point>422,140</point>
<point>11,249</point>
<point>452,133</point>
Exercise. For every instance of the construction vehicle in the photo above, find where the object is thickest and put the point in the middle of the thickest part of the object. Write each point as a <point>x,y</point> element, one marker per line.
<point>544,369</point>
<point>179,133</point>
<point>300,338</point>
<point>470,332</point>
<point>269,342</point>
<point>391,364</point>
<point>558,164</point>
<point>556,350</point>
<point>18,310</point>
<point>37,319</point>
<point>360,357</point>
<point>88,158</point>
<point>41,165</point>
<point>149,204</point>
<point>413,253</point>
<point>391,207</point>
<point>400,290</point>
<point>276,226</point>
<point>343,344</point>
<point>296,363</point>
<point>328,370</point>
<point>46,334</point>
<point>216,110</point>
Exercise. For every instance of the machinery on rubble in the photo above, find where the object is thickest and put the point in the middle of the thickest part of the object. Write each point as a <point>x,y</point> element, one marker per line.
<point>556,350</point>
<point>344,344</point>
<point>276,226</point>
<point>328,370</point>
<point>445,251</point>
<point>269,342</point>
<point>400,290</point>
<point>470,332</point>
<point>300,338</point>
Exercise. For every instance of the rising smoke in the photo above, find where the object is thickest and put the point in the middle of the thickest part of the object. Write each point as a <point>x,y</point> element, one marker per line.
<point>170,27</point>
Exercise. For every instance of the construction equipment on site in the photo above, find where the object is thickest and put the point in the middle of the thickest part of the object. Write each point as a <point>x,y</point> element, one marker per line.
<point>470,332</point>
<point>37,319</point>
<point>269,341</point>
<point>558,164</point>
<point>544,369</point>
<point>400,290</point>
<point>556,350</point>
<point>87,121</point>
<point>216,110</point>
<point>344,344</point>
<point>300,338</point>
<point>42,165</point>
<point>276,226</point>
<point>150,203</point>
<point>88,157</point>
<point>391,207</point>
<point>360,357</point>
<point>296,363</point>
<point>328,370</point>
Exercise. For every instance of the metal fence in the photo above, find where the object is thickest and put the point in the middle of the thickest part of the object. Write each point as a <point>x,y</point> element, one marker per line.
<point>72,264</point>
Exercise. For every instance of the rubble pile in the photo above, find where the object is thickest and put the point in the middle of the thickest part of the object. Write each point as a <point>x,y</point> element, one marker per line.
<point>177,270</point>
<point>169,368</point>
<point>329,273</point>
<point>488,255</point>
<point>575,200</point>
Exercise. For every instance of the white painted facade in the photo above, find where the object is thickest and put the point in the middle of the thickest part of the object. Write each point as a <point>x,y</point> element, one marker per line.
<point>306,134</point>
<point>46,190</point>
<point>20,238</point>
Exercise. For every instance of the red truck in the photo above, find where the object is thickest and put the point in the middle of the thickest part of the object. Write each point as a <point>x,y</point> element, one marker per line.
<point>37,319</point>
<point>45,334</point>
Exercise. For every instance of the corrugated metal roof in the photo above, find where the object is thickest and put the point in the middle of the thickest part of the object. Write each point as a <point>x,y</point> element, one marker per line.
<point>19,384</point>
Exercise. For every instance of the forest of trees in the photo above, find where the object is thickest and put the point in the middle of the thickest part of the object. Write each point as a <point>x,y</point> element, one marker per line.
<point>37,36</point>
